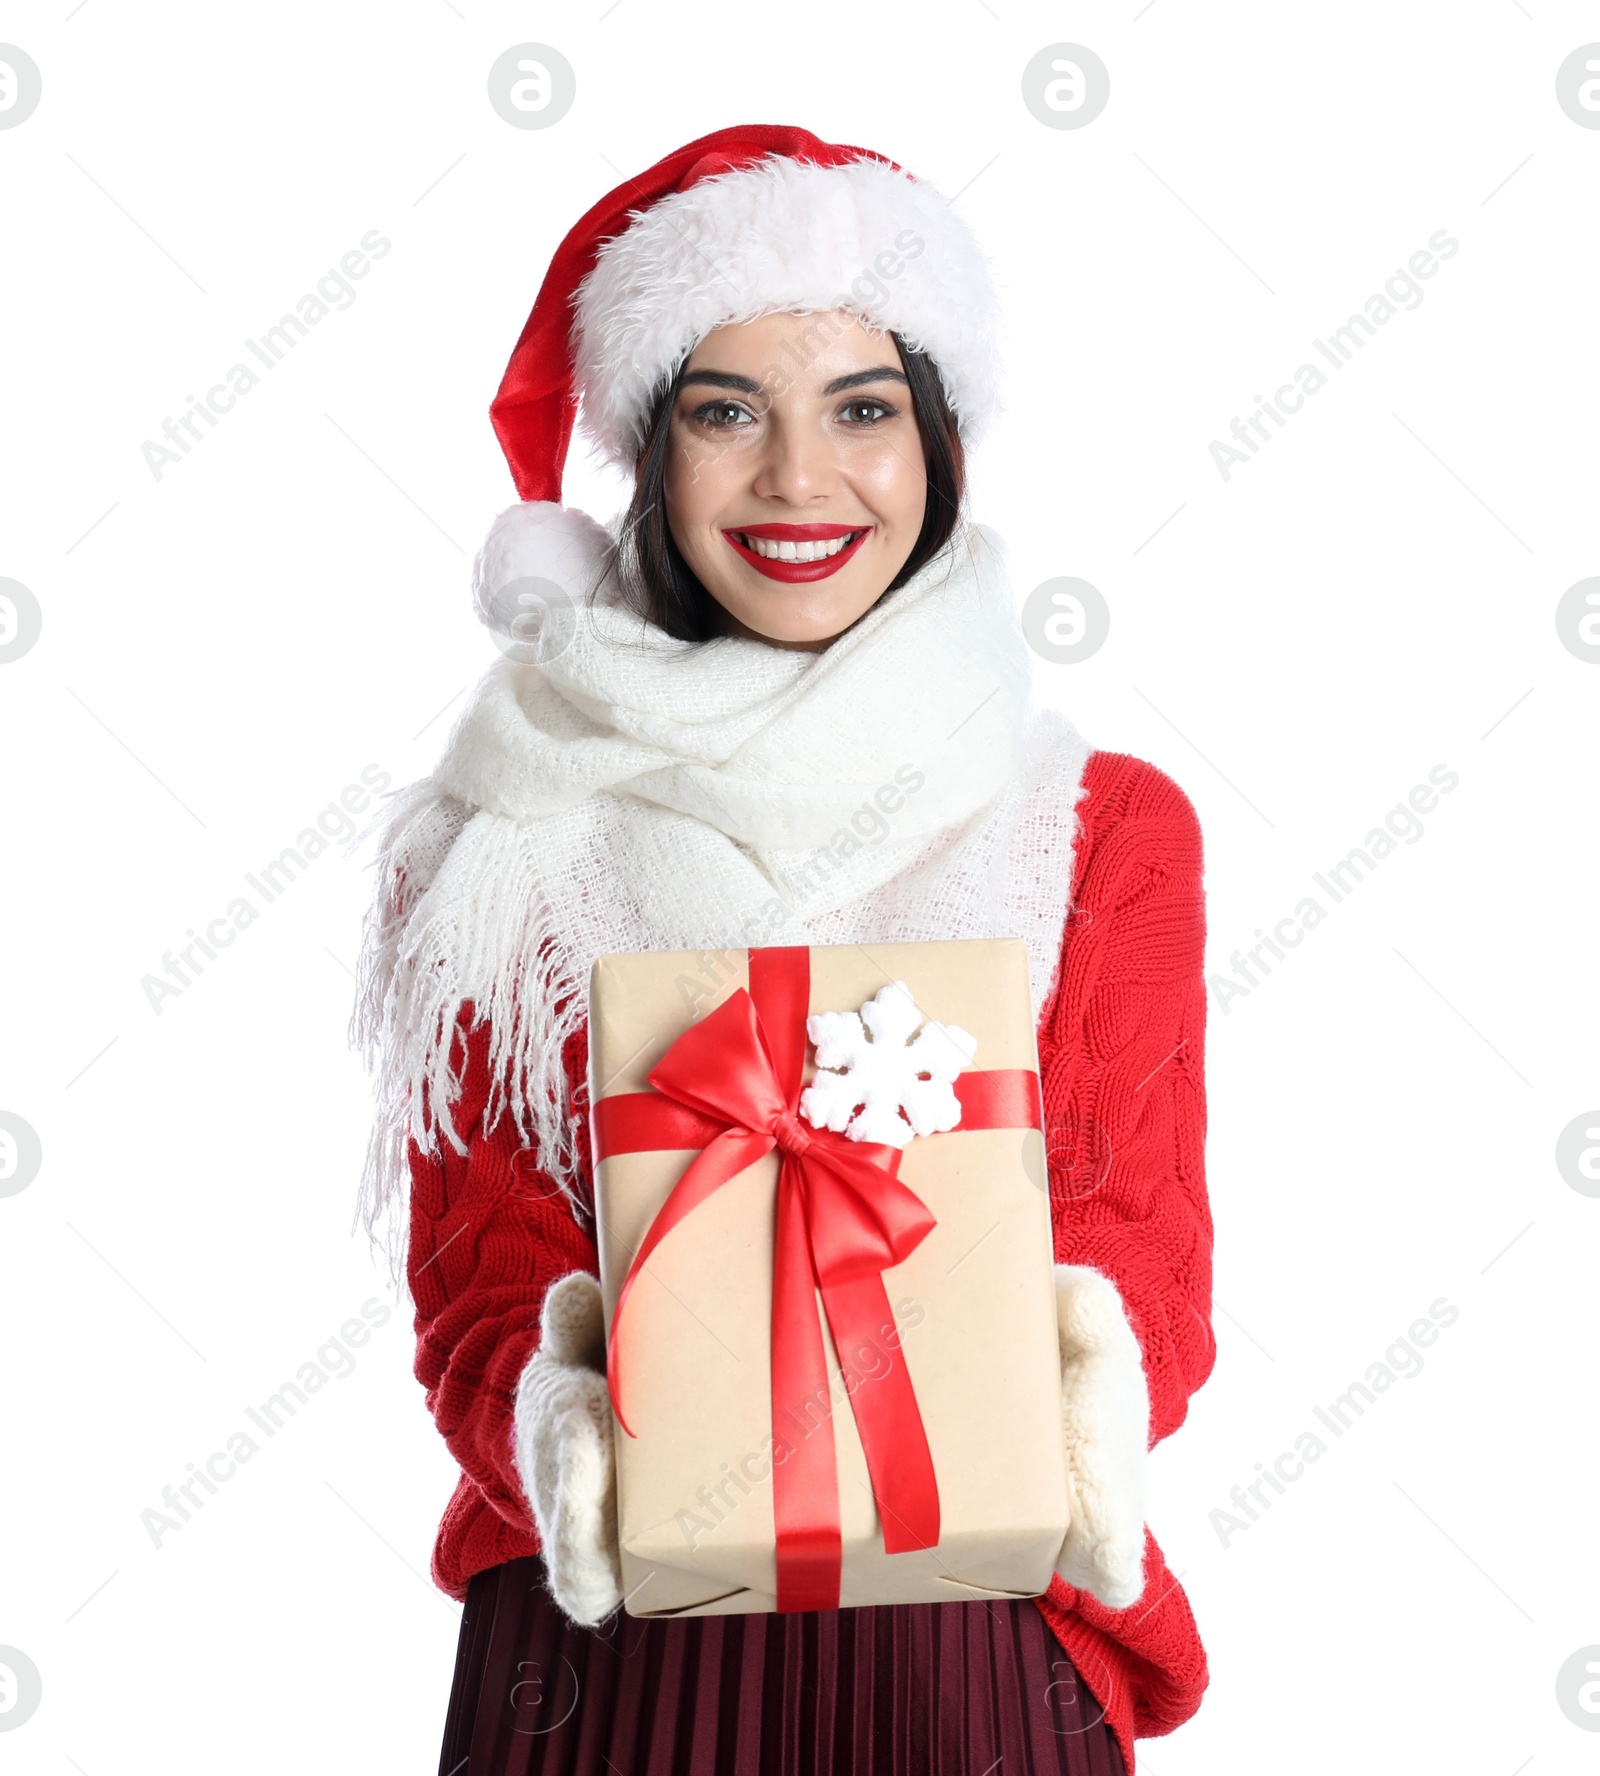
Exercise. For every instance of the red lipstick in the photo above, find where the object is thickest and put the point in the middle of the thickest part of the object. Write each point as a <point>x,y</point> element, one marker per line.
<point>797,571</point>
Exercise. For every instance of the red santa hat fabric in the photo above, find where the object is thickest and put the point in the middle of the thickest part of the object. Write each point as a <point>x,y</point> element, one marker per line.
<point>753,220</point>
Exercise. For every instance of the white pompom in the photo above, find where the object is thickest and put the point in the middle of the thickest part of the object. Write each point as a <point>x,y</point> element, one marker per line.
<point>539,559</point>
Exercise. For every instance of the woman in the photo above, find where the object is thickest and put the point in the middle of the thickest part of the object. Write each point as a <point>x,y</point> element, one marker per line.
<point>784,699</point>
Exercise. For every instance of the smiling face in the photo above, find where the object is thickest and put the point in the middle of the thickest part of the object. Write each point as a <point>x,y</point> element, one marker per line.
<point>796,481</point>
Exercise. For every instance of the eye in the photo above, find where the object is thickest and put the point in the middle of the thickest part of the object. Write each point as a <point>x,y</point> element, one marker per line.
<point>865,410</point>
<point>721,415</point>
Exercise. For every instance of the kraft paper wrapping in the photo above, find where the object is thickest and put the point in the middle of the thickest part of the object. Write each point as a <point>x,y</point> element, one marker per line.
<point>973,1308</point>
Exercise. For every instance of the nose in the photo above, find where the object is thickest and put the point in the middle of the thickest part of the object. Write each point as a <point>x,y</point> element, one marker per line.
<point>797,465</point>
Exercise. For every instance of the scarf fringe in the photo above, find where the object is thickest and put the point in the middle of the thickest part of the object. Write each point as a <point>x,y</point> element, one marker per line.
<point>430,946</point>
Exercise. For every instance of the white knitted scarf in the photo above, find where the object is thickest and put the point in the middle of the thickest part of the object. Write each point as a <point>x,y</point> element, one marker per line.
<point>634,792</point>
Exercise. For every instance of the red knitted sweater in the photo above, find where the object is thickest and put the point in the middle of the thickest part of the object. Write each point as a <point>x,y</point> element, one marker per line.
<point>1121,1061</point>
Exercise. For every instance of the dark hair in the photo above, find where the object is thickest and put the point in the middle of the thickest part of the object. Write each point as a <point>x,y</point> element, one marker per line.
<point>659,585</point>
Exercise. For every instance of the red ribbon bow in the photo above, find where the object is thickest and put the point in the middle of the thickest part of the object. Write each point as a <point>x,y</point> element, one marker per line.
<point>730,1085</point>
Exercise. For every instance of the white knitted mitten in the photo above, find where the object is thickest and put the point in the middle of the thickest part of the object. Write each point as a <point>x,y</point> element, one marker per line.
<point>564,1451</point>
<point>1105,1416</point>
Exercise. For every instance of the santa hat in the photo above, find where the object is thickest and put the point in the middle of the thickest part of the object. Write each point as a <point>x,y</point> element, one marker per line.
<point>754,220</point>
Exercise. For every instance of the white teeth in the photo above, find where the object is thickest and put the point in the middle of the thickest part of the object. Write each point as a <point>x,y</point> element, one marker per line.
<point>771,550</point>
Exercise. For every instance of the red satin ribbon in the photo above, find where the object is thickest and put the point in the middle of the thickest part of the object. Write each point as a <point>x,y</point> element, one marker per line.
<point>730,1085</point>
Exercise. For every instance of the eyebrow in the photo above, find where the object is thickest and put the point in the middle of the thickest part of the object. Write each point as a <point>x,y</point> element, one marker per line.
<point>749,386</point>
<point>721,379</point>
<point>883,373</point>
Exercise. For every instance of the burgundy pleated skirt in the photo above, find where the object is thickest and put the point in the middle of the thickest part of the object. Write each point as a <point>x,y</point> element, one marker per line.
<point>927,1689</point>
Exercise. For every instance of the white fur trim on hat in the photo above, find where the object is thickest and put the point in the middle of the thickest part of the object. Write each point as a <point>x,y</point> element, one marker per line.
<point>783,235</point>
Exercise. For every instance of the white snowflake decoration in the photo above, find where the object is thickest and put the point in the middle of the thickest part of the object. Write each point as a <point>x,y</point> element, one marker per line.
<point>892,1085</point>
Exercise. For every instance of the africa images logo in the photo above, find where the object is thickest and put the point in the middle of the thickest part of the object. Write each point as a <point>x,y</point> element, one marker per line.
<point>1402,290</point>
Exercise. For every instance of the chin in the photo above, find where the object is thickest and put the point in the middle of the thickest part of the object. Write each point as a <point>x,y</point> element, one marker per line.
<point>763,616</point>
<point>784,613</point>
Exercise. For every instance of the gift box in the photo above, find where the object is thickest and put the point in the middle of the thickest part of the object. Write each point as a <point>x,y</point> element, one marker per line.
<point>826,1266</point>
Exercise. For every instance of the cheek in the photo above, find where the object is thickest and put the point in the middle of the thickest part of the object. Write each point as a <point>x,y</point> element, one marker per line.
<point>697,482</point>
<point>894,482</point>
<point>679,483</point>
<point>683,496</point>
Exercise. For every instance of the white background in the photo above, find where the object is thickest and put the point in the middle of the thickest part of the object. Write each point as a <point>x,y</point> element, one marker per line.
<point>225,648</point>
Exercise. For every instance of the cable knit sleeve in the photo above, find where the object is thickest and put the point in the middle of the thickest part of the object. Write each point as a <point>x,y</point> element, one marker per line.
<point>1122,1063</point>
<point>490,1233</point>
